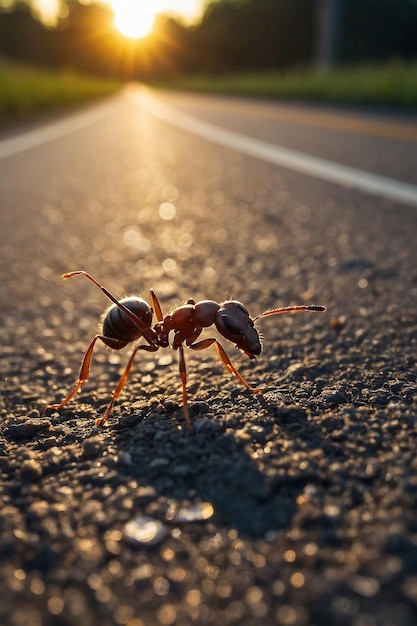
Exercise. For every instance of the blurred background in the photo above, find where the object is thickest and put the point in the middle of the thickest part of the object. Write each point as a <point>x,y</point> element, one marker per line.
<point>160,39</point>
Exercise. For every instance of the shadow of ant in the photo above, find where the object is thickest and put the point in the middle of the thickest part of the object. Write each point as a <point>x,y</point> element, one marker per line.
<point>245,464</point>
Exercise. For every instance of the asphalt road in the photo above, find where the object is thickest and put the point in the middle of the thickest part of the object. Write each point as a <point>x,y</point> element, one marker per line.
<point>297,507</point>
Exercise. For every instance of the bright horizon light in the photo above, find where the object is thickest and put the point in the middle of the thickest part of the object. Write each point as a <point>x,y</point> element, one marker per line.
<point>133,18</point>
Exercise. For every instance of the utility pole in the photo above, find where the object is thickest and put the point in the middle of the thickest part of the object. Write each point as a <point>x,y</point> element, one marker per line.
<point>329,14</point>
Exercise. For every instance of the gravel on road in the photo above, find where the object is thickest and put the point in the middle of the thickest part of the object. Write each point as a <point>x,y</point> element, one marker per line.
<point>297,507</point>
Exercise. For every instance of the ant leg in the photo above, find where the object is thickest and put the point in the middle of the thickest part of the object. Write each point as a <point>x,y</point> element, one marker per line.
<point>197,332</point>
<point>123,379</point>
<point>82,376</point>
<point>156,306</point>
<point>183,374</point>
<point>224,357</point>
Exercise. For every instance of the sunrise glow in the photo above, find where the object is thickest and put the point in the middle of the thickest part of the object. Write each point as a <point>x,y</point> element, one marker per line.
<point>134,18</point>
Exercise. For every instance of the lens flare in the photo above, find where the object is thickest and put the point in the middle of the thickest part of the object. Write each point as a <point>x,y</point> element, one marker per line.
<point>134,18</point>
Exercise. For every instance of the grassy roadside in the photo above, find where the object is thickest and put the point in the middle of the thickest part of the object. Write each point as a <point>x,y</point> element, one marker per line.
<point>390,85</point>
<point>25,90</point>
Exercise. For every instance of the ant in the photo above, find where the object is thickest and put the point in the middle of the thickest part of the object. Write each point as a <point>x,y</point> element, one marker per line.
<point>130,318</point>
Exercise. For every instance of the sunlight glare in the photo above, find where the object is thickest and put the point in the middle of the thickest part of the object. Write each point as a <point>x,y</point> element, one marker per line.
<point>134,18</point>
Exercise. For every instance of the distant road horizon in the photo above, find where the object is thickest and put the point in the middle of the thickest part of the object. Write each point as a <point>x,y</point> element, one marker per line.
<point>243,124</point>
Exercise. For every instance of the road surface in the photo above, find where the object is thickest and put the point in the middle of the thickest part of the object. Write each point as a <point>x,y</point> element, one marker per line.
<point>297,507</point>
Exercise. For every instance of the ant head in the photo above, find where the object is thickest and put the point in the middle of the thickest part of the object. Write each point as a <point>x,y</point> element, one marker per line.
<point>235,324</point>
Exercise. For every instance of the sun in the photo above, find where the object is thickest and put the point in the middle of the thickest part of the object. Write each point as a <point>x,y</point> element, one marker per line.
<point>134,18</point>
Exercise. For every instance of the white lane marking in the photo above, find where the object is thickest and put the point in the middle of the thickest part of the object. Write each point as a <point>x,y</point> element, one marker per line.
<point>284,157</point>
<point>56,130</point>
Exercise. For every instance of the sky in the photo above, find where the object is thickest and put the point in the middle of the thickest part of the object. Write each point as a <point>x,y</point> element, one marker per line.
<point>188,10</point>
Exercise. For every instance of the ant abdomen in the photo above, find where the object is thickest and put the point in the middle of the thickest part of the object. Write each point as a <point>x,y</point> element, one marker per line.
<point>118,326</point>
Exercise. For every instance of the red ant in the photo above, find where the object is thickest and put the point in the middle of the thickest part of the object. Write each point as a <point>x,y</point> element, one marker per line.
<point>130,318</point>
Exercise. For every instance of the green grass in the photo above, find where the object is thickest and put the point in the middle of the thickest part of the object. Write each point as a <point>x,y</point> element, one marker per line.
<point>25,89</point>
<point>392,85</point>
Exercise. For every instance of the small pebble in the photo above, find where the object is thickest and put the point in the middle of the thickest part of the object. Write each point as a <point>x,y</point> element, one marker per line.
<point>31,470</point>
<point>205,425</point>
<point>28,429</point>
<point>334,397</point>
<point>337,323</point>
<point>198,512</point>
<point>144,531</point>
<point>198,408</point>
<point>158,463</point>
<point>92,447</point>
<point>125,458</point>
<point>182,470</point>
<point>242,436</point>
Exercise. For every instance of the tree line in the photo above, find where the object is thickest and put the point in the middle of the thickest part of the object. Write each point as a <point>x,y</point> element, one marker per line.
<point>233,35</point>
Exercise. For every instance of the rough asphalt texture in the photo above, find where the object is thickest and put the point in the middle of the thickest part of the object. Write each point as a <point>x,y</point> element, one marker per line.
<point>313,485</point>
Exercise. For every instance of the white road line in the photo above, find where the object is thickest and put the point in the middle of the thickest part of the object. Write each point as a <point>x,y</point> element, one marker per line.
<point>56,130</point>
<point>284,157</point>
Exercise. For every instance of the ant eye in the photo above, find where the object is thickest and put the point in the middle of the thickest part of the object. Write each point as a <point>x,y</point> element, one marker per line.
<point>231,326</point>
<point>244,310</point>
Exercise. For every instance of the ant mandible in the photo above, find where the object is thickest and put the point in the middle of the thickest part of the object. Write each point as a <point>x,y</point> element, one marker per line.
<point>130,318</point>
